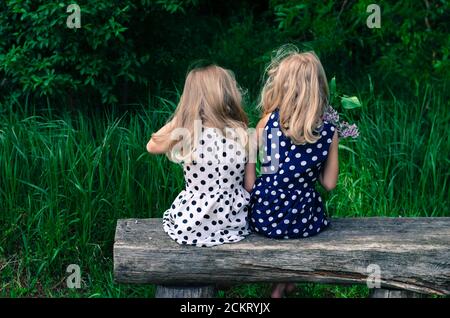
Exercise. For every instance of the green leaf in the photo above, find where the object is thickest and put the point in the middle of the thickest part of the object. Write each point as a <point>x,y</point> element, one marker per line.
<point>333,86</point>
<point>370,85</point>
<point>350,102</point>
<point>341,146</point>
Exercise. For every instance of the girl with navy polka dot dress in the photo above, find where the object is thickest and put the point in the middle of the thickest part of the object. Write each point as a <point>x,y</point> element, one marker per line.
<point>298,149</point>
<point>285,203</point>
<point>213,207</point>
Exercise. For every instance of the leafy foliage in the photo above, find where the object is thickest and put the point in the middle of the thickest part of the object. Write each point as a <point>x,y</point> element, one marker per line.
<point>40,55</point>
<point>412,43</point>
<point>125,46</point>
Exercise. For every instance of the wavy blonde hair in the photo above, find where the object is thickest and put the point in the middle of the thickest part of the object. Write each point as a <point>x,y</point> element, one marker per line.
<point>212,96</point>
<point>296,84</point>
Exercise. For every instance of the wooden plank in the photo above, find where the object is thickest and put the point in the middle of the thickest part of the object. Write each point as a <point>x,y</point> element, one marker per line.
<point>412,253</point>
<point>392,293</point>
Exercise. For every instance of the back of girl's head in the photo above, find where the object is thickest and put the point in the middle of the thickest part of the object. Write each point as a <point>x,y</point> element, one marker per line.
<point>211,97</point>
<point>296,84</point>
<point>211,94</point>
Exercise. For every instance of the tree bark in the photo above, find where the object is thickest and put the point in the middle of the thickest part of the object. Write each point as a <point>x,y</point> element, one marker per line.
<point>411,254</point>
<point>392,293</point>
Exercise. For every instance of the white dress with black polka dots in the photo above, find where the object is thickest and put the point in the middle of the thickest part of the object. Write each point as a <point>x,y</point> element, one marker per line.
<point>212,209</point>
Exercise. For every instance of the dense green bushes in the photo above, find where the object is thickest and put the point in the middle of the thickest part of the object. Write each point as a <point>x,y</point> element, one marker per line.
<point>41,55</point>
<point>412,43</point>
<point>133,48</point>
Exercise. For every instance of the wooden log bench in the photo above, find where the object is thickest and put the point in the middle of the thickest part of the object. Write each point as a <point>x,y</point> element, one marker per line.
<point>412,255</point>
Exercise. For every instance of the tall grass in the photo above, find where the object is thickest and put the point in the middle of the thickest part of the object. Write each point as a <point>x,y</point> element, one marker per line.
<point>400,165</point>
<point>66,178</point>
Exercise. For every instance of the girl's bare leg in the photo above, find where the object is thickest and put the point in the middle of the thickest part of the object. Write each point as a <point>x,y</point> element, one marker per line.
<point>278,290</point>
<point>290,287</point>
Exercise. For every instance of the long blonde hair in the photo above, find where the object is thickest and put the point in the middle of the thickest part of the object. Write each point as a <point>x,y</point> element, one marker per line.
<point>210,95</point>
<point>296,84</point>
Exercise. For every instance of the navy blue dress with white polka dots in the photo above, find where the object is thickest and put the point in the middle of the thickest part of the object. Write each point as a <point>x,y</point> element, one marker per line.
<point>284,202</point>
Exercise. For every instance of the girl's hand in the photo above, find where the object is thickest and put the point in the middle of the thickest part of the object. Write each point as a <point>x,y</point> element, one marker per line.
<point>255,141</point>
<point>250,167</point>
<point>161,142</point>
<point>329,176</point>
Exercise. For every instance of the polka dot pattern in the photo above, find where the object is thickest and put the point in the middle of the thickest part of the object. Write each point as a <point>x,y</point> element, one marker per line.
<point>213,207</point>
<point>284,202</point>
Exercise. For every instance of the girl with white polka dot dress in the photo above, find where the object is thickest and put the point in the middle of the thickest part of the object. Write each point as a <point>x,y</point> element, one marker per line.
<point>298,149</point>
<point>213,207</point>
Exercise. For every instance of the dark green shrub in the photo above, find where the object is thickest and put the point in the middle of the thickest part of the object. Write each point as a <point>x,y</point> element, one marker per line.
<point>41,56</point>
<point>412,44</point>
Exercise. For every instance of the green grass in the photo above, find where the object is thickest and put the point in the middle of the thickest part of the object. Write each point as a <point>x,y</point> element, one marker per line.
<point>65,179</point>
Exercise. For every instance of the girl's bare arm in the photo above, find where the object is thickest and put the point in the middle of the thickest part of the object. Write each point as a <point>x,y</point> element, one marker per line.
<point>250,176</point>
<point>160,145</point>
<point>329,176</point>
<point>255,141</point>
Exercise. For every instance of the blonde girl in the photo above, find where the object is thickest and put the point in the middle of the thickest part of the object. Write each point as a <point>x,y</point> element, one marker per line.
<point>299,148</point>
<point>207,136</point>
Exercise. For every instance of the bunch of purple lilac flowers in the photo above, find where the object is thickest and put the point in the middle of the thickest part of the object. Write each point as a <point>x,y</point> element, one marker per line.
<point>345,130</point>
